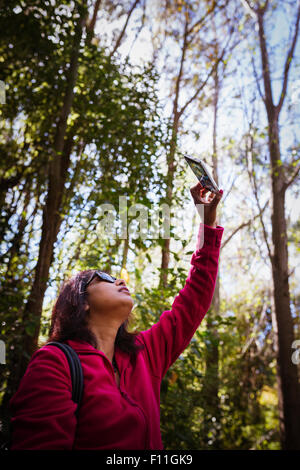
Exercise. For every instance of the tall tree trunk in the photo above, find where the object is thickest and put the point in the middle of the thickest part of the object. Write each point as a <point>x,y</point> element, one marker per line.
<point>178,112</point>
<point>14,250</point>
<point>210,388</point>
<point>51,217</point>
<point>165,258</point>
<point>287,374</point>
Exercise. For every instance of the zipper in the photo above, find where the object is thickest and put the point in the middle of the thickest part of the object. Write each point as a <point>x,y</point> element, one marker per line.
<point>123,392</point>
<point>101,354</point>
<point>127,397</point>
<point>141,411</point>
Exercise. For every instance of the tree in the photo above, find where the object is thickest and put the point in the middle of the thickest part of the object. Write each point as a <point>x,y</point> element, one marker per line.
<point>187,78</point>
<point>80,101</point>
<point>288,384</point>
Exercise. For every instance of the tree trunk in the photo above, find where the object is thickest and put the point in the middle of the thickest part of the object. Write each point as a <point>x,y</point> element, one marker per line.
<point>14,250</point>
<point>211,380</point>
<point>287,374</point>
<point>165,258</point>
<point>210,390</point>
<point>178,112</point>
<point>51,216</point>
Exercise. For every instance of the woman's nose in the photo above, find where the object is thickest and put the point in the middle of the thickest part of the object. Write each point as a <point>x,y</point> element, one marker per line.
<point>120,282</point>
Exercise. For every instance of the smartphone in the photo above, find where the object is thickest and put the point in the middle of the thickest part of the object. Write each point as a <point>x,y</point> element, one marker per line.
<point>203,174</point>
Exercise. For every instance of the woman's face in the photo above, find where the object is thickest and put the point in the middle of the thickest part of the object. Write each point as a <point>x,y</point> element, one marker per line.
<point>109,298</point>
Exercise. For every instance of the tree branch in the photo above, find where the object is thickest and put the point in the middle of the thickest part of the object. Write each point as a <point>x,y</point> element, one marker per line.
<point>293,178</point>
<point>203,84</point>
<point>263,9</point>
<point>124,27</point>
<point>255,189</point>
<point>230,189</point>
<point>255,330</point>
<point>202,19</point>
<point>249,8</point>
<point>257,81</point>
<point>288,63</point>
<point>269,103</point>
<point>179,76</point>
<point>139,30</point>
<point>253,11</point>
<point>91,25</point>
<point>244,224</point>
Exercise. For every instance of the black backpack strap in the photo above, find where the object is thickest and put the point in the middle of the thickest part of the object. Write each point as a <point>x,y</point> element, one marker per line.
<point>75,370</point>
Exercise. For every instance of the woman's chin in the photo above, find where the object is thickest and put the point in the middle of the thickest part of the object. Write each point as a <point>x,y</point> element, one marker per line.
<point>127,300</point>
<point>131,302</point>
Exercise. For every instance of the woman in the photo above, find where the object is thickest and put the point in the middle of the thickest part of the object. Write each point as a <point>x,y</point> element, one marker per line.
<point>120,408</point>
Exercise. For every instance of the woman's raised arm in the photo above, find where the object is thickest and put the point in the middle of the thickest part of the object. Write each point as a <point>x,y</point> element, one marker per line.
<point>166,340</point>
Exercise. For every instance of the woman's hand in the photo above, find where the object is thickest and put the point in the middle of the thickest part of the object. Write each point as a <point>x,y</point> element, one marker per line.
<point>210,203</point>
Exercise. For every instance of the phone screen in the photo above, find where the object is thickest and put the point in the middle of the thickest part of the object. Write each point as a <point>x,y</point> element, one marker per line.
<point>203,175</point>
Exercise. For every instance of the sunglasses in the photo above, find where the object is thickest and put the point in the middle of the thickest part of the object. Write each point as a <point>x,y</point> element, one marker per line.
<point>103,276</point>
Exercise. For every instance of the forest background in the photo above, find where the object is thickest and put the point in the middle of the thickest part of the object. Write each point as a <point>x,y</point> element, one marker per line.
<point>100,101</point>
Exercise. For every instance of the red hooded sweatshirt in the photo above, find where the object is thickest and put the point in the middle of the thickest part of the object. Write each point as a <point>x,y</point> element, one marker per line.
<point>127,417</point>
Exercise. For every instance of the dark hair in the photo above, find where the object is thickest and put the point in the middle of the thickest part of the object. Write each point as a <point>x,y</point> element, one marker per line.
<point>69,317</point>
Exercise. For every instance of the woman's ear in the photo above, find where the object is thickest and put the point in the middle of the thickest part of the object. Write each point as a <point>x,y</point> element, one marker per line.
<point>86,307</point>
